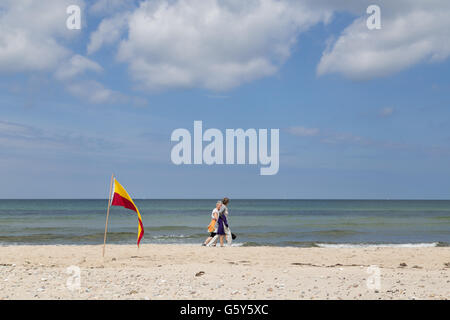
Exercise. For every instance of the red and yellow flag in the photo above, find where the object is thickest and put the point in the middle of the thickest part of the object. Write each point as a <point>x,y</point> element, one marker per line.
<point>122,198</point>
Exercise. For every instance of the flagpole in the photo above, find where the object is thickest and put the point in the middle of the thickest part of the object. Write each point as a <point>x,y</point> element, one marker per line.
<point>107,213</point>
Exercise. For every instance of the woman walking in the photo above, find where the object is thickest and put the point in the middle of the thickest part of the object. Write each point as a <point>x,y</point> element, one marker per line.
<point>222,224</point>
<point>212,227</point>
<point>223,217</point>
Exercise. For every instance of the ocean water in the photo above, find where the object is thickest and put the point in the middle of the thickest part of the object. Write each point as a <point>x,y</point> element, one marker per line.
<point>303,223</point>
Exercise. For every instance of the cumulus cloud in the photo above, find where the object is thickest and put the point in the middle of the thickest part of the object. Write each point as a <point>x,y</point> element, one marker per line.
<point>108,32</point>
<point>221,44</point>
<point>413,31</point>
<point>216,44</point>
<point>31,33</point>
<point>34,38</point>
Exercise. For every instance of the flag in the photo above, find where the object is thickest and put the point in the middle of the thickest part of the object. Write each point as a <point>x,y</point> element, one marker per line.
<point>121,198</point>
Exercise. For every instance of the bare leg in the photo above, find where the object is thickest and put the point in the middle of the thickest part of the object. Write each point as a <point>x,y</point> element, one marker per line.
<point>213,241</point>
<point>207,240</point>
<point>229,237</point>
<point>221,240</point>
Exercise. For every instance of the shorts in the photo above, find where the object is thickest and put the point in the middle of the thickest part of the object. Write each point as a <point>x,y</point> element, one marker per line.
<point>212,234</point>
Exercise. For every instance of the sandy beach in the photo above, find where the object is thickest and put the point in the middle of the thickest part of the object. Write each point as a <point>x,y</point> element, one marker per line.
<point>195,272</point>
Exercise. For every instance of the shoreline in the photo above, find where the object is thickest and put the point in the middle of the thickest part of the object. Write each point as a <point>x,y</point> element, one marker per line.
<point>193,272</point>
<point>436,244</point>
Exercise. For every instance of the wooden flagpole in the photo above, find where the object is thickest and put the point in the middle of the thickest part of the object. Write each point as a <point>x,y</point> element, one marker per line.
<point>107,213</point>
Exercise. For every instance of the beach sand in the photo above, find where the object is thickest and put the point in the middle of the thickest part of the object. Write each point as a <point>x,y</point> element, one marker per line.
<point>195,272</point>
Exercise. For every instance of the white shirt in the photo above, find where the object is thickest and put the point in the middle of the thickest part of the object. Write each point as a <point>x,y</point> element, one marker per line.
<point>214,211</point>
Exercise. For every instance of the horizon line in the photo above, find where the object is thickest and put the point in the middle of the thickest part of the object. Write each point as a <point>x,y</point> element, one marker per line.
<point>299,199</point>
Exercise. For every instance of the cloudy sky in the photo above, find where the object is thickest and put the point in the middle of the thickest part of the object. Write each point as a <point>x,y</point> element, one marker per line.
<point>362,113</point>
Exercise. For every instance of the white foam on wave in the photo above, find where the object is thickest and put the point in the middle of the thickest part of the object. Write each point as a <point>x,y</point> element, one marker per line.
<point>169,236</point>
<point>190,244</point>
<point>376,245</point>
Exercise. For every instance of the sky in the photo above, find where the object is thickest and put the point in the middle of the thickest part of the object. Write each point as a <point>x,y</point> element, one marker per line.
<point>362,114</point>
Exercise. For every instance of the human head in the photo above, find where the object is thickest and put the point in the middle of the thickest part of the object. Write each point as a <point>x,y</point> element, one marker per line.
<point>225,201</point>
<point>218,204</point>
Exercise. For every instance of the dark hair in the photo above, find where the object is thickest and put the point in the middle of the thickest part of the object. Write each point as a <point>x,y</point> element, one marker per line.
<point>225,201</point>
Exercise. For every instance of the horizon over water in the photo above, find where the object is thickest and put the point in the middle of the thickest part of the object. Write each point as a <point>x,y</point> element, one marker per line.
<point>274,222</point>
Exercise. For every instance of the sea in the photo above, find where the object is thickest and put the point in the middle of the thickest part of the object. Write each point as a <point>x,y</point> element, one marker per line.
<point>296,223</point>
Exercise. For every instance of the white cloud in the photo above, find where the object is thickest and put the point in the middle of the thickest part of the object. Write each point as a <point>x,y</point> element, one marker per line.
<point>96,93</point>
<point>214,44</point>
<point>412,31</point>
<point>10,129</point>
<point>108,32</point>
<point>303,131</point>
<point>31,32</point>
<point>34,37</point>
<point>93,91</point>
<point>346,138</point>
<point>76,66</point>
<point>24,137</point>
<point>220,44</point>
<point>102,7</point>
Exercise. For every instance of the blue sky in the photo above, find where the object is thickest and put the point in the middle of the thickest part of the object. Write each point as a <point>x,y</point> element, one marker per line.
<point>362,113</point>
